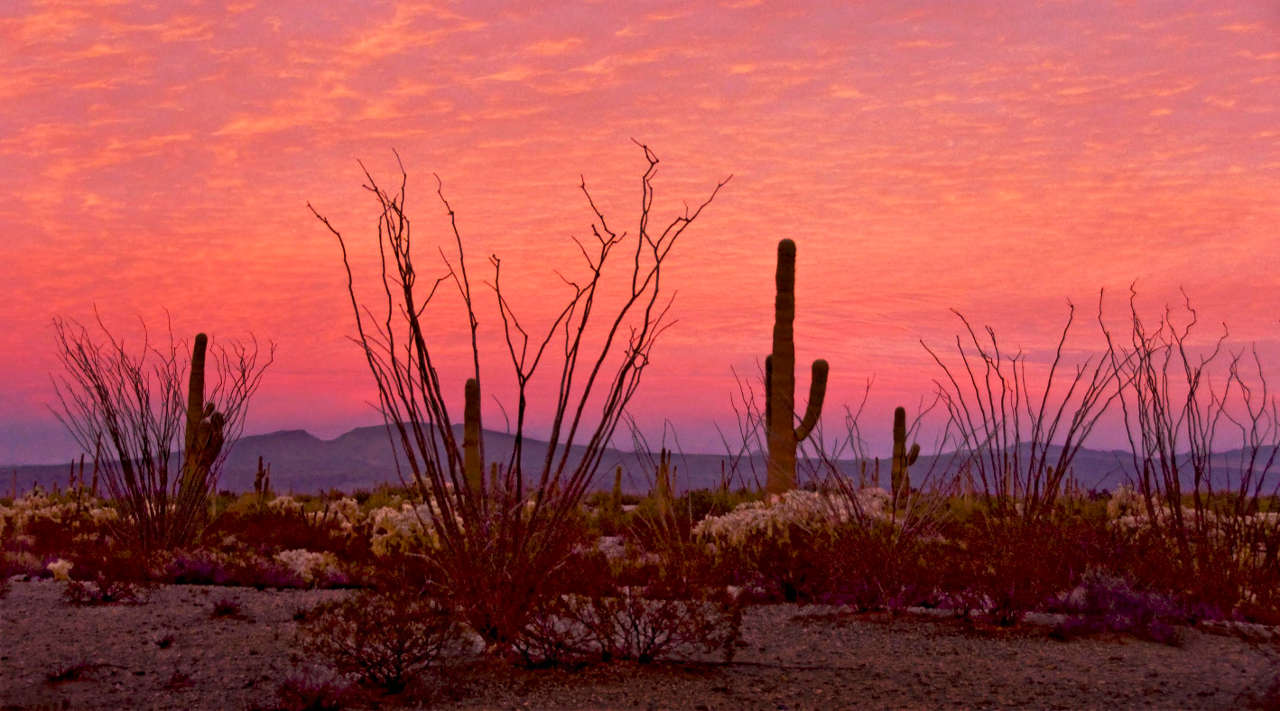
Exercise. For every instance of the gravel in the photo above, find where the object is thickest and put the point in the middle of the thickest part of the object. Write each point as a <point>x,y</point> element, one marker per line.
<point>170,652</point>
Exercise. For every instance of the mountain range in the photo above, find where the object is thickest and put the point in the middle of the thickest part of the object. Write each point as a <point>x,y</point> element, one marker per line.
<point>364,458</point>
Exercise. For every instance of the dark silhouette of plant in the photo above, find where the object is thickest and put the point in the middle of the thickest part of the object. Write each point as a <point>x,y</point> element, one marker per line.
<point>75,671</point>
<point>780,380</point>
<point>1020,441</point>
<point>499,547</point>
<point>384,639</point>
<point>664,604</point>
<point>1203,417</point>
<point>226,607</point>
<point>126,408</point>
<point>311,692</point>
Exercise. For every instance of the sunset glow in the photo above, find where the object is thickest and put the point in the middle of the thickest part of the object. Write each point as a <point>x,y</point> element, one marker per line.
<point>996,158</point>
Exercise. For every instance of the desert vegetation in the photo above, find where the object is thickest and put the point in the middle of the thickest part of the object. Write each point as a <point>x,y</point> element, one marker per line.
<point>475,561</point>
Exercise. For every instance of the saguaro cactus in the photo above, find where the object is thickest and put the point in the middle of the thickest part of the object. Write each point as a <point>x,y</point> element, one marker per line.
<point>780,380</point>
<point>663,492</point>
<point>615,499</point>
<point>204,435</point>
<point>899,477</point>
<point>472,445</point>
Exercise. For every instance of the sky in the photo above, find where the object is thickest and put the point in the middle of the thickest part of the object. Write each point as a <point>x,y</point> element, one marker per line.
<point>998,158</point>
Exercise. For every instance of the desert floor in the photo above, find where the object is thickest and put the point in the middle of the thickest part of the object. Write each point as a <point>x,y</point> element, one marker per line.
<point>170,652</point>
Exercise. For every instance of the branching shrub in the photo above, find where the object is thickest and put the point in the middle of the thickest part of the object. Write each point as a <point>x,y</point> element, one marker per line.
<point>497,544</point>
<point>383,639</point>
<point>1006,566</point>
<point>128,410</point>
<point>102,572</point>
<point>638,608</point>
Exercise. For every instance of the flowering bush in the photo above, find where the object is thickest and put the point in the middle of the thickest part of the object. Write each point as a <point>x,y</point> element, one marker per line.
<point>310,567</point>
<point>787,544</point>
<point>1124,502</point>
<point>47,521</point>
<point>780,516</point>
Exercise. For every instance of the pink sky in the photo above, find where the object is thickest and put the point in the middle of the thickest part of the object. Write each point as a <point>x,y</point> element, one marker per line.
<point>999,158</point>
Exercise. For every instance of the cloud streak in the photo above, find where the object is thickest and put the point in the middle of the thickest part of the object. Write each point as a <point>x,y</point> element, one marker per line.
<point>923,157</point>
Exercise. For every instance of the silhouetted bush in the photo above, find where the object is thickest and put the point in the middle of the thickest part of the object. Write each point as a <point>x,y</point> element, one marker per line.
<point>383,639</point>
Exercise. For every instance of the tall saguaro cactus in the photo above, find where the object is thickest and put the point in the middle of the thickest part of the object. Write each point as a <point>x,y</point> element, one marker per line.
<point>204,431</point>
<point>780,380</point>
<point>472,445</point>
<point>903,458</point>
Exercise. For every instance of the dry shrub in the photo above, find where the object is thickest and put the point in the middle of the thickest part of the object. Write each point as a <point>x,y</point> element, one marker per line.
<point>1229,578</point>
<point>498,545</point>
<point>104,572</point>
<point>310,692</point>
<point>875,566</point>
<point>270,532</point>
<point>383,639</point>
<point>644,609</point>
<point>1007,566</point>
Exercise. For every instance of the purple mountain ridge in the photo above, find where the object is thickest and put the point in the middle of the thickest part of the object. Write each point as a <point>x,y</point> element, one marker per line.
<point>364,458</point>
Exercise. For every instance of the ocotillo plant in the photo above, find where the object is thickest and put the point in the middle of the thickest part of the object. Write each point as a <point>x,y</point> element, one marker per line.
<point>472,445</point>
<point>899,477</point>
<point>780,380</point>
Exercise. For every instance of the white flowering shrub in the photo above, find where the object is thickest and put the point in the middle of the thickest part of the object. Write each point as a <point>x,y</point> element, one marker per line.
<point>284,505</point>
<point>310,566</point>
<point>400,530</point>
<point>779,517</point>
<point>49,525</point>
<point>787,543</point>
<point>1124,502</point>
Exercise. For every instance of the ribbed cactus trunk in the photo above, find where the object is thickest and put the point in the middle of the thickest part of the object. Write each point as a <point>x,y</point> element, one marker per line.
<point>204,436</point>
<point>202,443</point>
<point>900,477</point>
<point>780,380</point>
<point>472,444</point>
<point>195,394</point>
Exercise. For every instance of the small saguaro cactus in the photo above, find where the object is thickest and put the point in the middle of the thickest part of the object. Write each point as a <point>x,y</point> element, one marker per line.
<point>615,500</point>
<point>472,444</point>
<point>204,435</point>
<point>663,491</point>
<point>262,482</point>
<point>899,477</point>
<point>780,381</point>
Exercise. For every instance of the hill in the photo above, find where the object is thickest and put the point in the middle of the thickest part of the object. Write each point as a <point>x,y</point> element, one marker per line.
<point>364,457</point>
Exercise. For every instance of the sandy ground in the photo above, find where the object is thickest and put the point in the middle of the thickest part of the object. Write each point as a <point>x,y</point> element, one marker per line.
<point>171,653</point>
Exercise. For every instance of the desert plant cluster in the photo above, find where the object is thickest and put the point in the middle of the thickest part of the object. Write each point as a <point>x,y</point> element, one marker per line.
<point>474,559</point>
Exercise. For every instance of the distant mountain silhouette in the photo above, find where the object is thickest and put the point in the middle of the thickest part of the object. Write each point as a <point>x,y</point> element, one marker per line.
<point>365,458</point>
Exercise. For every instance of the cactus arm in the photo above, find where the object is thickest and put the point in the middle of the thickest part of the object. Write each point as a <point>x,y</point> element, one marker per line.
<point>914,454</point>
<point>817,393</point>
